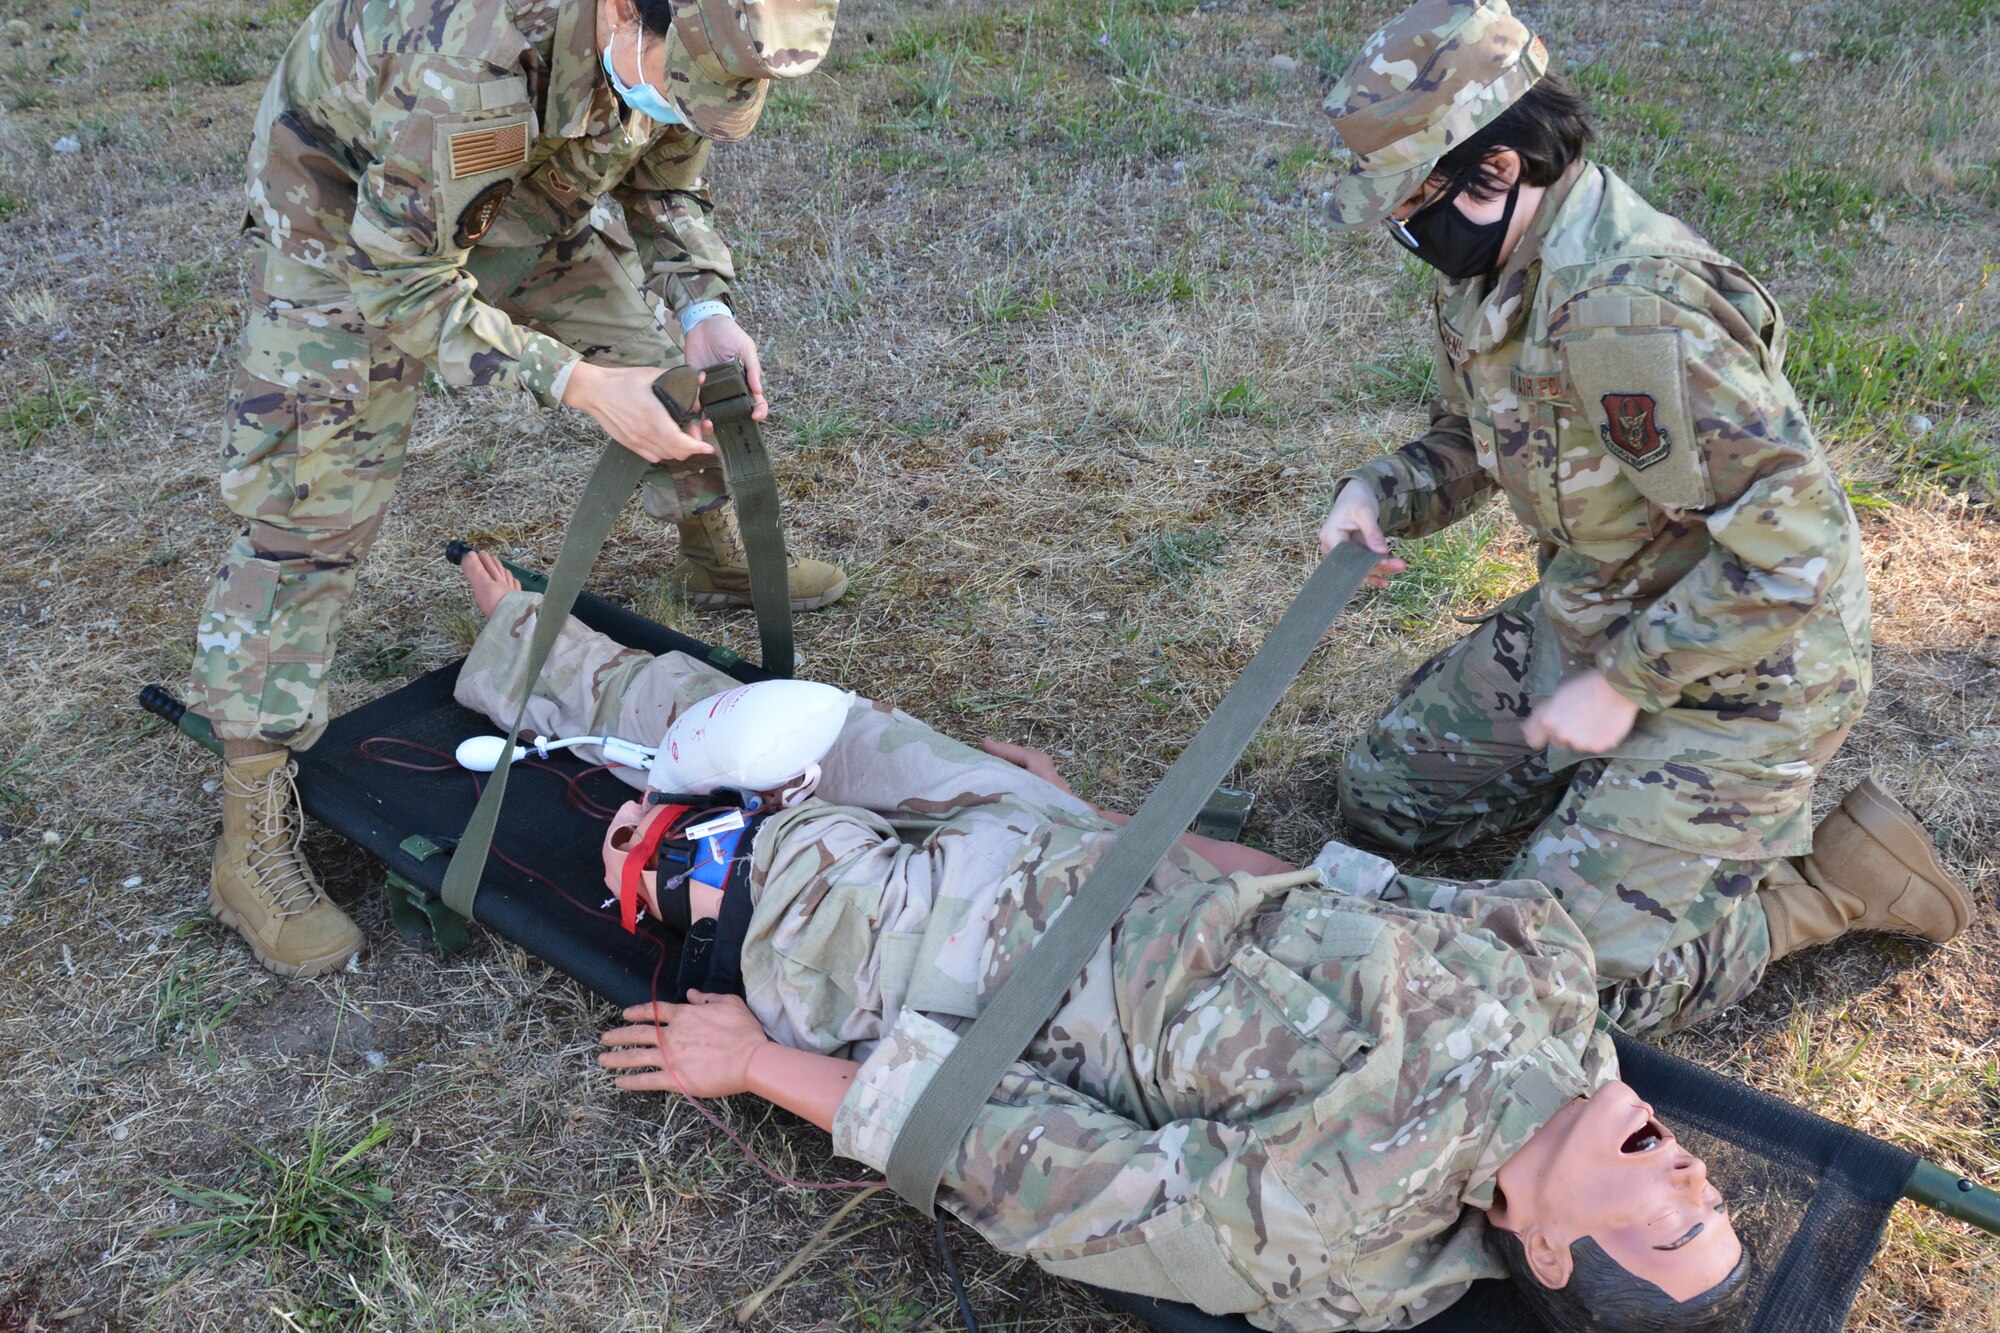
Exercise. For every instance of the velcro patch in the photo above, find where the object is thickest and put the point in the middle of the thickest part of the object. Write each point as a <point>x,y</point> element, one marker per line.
<point>1631,387</point>
<point>490,148</point>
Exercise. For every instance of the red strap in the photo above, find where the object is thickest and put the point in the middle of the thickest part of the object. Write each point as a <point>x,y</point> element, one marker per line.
<point>644,848</point>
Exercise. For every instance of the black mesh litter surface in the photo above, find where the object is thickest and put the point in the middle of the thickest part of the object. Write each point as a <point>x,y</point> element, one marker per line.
<point>1810,1196</point>
<point>381,807</point>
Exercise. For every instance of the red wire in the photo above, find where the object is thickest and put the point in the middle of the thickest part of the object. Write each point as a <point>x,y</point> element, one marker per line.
<point>583,802</point>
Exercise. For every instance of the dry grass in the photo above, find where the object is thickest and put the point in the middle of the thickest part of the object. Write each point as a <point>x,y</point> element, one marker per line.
<point>1065,369</point>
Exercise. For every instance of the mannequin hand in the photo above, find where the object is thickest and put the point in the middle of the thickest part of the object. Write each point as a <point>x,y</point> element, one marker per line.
<point>1356,517</point>
<point>621,400</point>
<point>1022,757</point>
<point>709,1043</point>
<point>1585,714</point>
<point>720,337</point>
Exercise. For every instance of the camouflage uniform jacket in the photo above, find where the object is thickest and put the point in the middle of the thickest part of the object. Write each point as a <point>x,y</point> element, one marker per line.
<point>1621,382</point>
<point>1290,1107</point>
<point>397,134</point>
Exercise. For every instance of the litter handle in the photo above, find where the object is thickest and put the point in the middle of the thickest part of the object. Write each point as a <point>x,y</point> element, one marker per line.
<point>457,549</point>
<point>162,703</point>
<point>1954,1196</point>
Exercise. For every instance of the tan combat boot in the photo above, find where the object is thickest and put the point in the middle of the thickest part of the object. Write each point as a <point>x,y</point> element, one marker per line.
<point>1872,867</point>
<point>714,569</point>
<point>262,887</point>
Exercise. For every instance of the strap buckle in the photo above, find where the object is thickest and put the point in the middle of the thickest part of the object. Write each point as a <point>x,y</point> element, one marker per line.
<point>725,392</point>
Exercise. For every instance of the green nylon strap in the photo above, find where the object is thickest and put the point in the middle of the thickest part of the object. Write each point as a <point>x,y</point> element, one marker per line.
<point>943,1115</point>
<point>726,400</point>
<point>611,484</point>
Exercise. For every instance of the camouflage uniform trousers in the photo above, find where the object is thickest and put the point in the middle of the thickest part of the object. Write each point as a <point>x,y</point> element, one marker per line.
<point>1677,935</point>
<point>313,443</point>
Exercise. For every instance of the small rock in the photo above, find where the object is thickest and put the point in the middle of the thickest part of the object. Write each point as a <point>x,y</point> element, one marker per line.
<point>375,1059</point>
<point>6,920</point>
<point>67,144</point>
<point>1288,472</point>
<point>45,583</point>
<point>1922,424</point>
<point>18,32</point>
<point>132,882</point>
<point>208,787</point>
<point>119,1133</point>
<point>1799,57</point>
<point>1284,64</point>
<point>1180,168</point>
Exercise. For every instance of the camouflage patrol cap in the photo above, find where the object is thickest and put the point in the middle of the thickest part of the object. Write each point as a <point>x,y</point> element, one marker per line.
<point>728,51</point>
<point>1440,72</point>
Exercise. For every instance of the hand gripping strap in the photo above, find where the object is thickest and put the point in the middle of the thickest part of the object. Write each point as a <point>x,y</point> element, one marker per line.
<point>943,1115</point>
<point>727,401</point>
<point>612,482</point>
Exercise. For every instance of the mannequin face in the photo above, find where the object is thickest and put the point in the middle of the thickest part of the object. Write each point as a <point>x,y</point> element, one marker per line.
<point>1603,1167</point>
<point>618,27</point>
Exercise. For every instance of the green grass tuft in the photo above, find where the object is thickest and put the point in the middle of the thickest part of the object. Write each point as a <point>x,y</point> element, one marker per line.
<point>34,410</point>
<point>1451,573</point>
<point>1181,555</point>
<point>326,1200</point>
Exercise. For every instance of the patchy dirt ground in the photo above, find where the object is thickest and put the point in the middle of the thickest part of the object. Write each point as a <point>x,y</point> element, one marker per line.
<point>1065,362</point>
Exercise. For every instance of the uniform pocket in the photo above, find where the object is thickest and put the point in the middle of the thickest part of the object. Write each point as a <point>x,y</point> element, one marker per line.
<point>1524,461</point>
<point>314,351</point>
<point>1177,1253</point>
<point>1259,1036</point>
<point>1738,810</point>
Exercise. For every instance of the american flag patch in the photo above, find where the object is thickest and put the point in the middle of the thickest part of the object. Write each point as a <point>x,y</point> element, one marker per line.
<point>476,151</point>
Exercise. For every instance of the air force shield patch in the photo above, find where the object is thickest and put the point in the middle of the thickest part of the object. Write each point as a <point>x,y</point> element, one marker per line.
<point>1632,431</point>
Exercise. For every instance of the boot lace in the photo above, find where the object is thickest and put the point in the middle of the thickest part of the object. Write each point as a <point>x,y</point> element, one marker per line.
<point>280,873</point>
<point>729,549</point>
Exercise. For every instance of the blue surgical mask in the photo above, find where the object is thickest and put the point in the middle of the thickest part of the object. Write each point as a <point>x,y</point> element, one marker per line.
<point>643,98</point>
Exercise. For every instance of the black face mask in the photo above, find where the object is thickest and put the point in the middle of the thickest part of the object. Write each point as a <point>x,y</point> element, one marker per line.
<point>1452,243</point>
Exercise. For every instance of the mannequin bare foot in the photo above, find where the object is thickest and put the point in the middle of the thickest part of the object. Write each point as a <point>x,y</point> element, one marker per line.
<point>489,579</point>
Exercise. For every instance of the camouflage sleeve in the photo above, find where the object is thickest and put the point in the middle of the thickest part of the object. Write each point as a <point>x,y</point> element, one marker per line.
<point>1049,1173</point>
<point>1432,482</point>
<point>591,685</point>
<point>407,265</point>
<point>669,209</point>
<point>1707,429</point>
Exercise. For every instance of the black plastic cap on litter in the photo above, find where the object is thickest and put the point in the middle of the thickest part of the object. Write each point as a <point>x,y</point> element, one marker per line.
<point>160,701</point>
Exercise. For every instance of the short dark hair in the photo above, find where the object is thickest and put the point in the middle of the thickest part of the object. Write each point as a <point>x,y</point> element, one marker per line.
<point>1603,1296</point>
<point>1547,127</point>
<point>655,16</point>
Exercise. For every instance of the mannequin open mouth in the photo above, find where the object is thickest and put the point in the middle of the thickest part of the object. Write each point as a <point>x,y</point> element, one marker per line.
<point>1645,1138</point>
